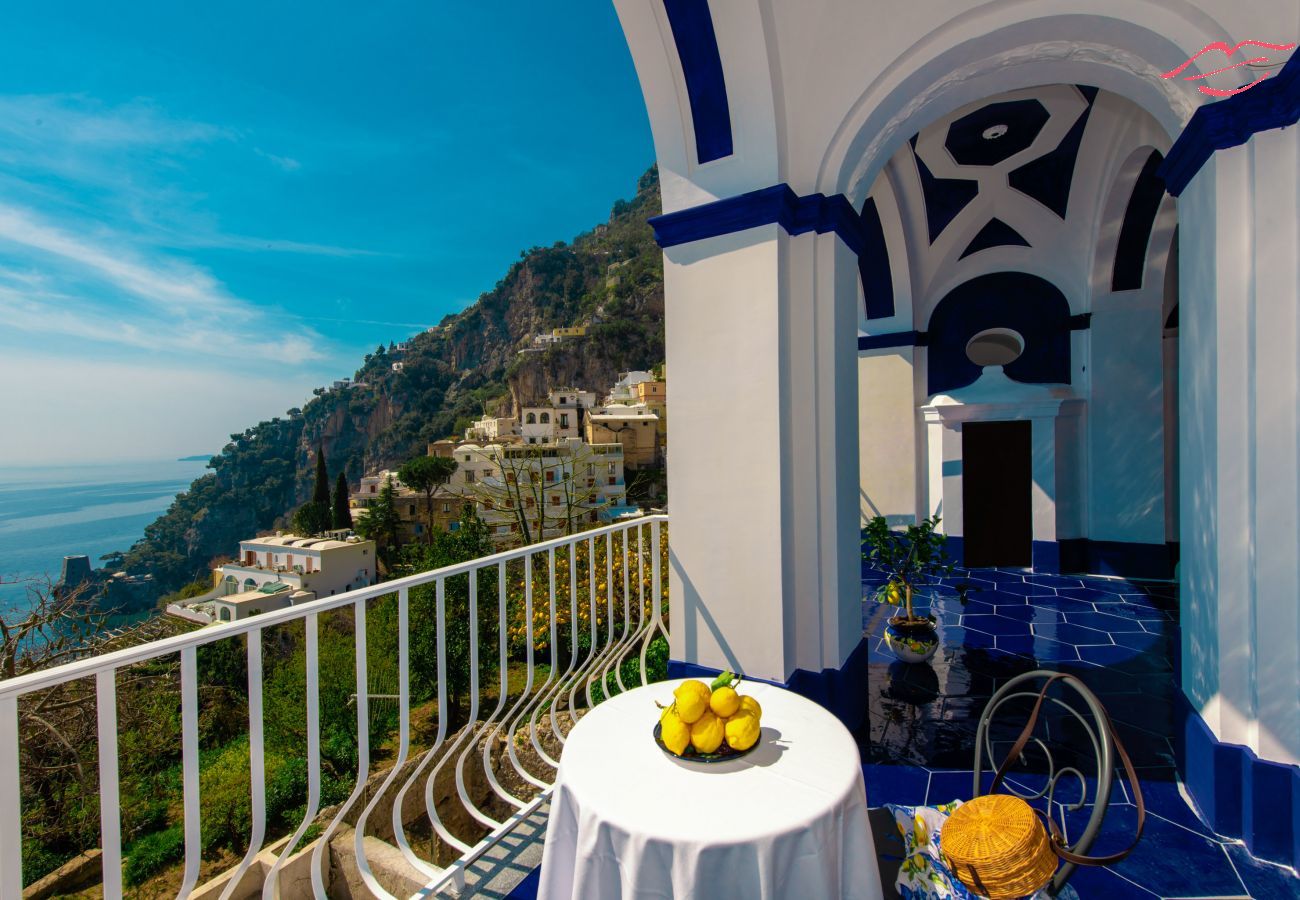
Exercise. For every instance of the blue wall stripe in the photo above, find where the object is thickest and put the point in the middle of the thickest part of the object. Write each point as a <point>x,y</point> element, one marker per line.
<point>840,691</point>
<point>894,339</point>
<point>706,89</point>
<point>1238,794</point>
<point>1230,122</point>
<point>772,205</point>
<point>873,265</point>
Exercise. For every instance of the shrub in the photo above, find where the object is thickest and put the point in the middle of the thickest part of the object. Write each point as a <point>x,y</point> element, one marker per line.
<point>153,853</point>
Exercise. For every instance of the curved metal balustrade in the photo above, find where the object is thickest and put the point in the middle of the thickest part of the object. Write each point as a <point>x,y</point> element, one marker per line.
<point>539,654</point>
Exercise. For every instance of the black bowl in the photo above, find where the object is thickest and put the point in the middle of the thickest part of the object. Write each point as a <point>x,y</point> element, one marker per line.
<point>722,754</point>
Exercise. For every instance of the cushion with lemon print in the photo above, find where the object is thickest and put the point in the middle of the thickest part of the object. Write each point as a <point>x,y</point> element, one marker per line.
<point>923,873</point>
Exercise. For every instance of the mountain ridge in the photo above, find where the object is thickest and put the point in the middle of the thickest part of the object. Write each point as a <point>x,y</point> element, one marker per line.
<point>609,279</point>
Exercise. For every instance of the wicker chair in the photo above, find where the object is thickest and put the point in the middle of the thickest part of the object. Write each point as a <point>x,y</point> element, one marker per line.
<point>1103,752</point>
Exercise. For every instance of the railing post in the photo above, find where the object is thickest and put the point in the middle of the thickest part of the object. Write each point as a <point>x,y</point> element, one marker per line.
<point>190,768</point>
<point>110,814</point>
<point>11,804</point>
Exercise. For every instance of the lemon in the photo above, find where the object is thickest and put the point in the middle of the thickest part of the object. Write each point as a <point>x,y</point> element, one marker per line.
<point>894,594</point>
<point>692,700</point>
<point>706,733</point>
<point>742,731</point>
<point>675,733</point>
<point>750,705</point>
<point>724,702</point>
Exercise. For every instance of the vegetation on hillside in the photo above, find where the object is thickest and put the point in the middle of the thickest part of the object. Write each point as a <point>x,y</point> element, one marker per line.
<point>58,747</point>
<point>609,279</point>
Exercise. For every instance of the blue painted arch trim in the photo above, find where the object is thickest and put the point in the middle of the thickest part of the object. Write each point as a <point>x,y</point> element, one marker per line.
<point>706,87</point>
<point>778,205</point>
<point>873,265</point>
<point>1231,122</point>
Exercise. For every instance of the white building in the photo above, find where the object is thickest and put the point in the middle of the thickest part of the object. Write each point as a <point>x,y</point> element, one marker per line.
<point>319,566</point>
<point>570,407</point>
<point>624,390</point>
<point>939,243</point>
<point>560,417</point>
<point>492,428</point>
<point>634,426</point>
<point>550,483</point>
<point>370,486</point>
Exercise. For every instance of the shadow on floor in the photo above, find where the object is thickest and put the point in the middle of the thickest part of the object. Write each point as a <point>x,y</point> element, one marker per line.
<point>1121,639</point>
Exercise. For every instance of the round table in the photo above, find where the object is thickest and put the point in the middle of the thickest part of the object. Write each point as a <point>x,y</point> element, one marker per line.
<point>787,820</point>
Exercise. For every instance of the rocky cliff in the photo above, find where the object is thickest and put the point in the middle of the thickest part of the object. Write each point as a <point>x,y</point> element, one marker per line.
<point>609,279</point>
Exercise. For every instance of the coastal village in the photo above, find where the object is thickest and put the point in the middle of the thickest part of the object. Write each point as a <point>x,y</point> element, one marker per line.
<point>562,464</point>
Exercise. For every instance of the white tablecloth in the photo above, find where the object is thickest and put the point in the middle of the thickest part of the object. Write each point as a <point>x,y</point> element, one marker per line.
<point>787,821</point>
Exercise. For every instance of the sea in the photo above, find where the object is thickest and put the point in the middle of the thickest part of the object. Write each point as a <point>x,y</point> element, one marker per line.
<point>48,512</point>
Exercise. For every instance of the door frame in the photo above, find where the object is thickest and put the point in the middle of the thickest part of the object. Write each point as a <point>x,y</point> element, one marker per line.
<point>1057,476</point>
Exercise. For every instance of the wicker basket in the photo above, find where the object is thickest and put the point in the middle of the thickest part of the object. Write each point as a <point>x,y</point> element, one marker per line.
<point>997,846</point>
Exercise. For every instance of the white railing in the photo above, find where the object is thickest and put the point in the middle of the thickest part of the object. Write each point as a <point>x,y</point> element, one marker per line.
<point>623,617</point>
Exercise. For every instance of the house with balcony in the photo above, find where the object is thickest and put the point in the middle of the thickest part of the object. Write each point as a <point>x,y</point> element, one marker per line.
<point>370,486</point>
<point>544,489</point>
<point>1031,268</point>
<point>321,566</point>
<point>492,428</point>
<point>635,428</point>
<point>625,388</point>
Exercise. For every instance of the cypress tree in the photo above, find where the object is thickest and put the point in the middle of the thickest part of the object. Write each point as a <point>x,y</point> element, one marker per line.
<point>342,517</point>
<point>321,494</point>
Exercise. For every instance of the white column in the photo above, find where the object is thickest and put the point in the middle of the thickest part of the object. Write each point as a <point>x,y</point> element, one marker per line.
<point>1276,461</point>
<point>763,494</point>
<point>1239,424</point>
<point>1198,436</point>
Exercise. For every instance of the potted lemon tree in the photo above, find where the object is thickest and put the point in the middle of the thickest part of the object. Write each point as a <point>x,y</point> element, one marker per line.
<point>910,558</point>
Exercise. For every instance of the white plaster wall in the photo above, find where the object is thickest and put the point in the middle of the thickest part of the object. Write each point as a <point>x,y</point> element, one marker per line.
<point>888,428</point>
<point>1126,418</point>
<point>722,323</point>
<point>1275,358</point>
<point>1240,444</point>
<point>764,553</point>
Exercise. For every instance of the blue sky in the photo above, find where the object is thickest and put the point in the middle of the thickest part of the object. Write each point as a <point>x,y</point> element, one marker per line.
<point>206,210</point>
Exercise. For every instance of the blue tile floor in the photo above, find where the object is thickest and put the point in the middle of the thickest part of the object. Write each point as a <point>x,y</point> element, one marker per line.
<point>1121,639</point>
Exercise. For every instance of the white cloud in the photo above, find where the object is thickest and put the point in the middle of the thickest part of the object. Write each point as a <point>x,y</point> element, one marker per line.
<point>133,410</point>
<point>99,288</point>
<point>165,283</point>
<point>56,119</point>
<point>284,163</point>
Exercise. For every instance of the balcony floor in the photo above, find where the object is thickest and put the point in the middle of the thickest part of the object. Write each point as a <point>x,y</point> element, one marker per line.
<point>1121,638</point>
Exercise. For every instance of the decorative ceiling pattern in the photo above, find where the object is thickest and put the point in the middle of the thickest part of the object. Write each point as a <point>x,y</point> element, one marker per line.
<point>996,132</point>
<point>995,234</point>
<point>945,198</point>
<point>1034,180</point>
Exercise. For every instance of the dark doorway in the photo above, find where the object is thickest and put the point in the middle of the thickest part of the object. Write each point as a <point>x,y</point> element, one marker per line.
<point>997,512</point>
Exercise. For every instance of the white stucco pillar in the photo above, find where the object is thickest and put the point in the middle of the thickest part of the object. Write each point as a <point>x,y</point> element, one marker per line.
<point>1240,494</point>
<point>1276,388</point>
<point>763,494</point>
